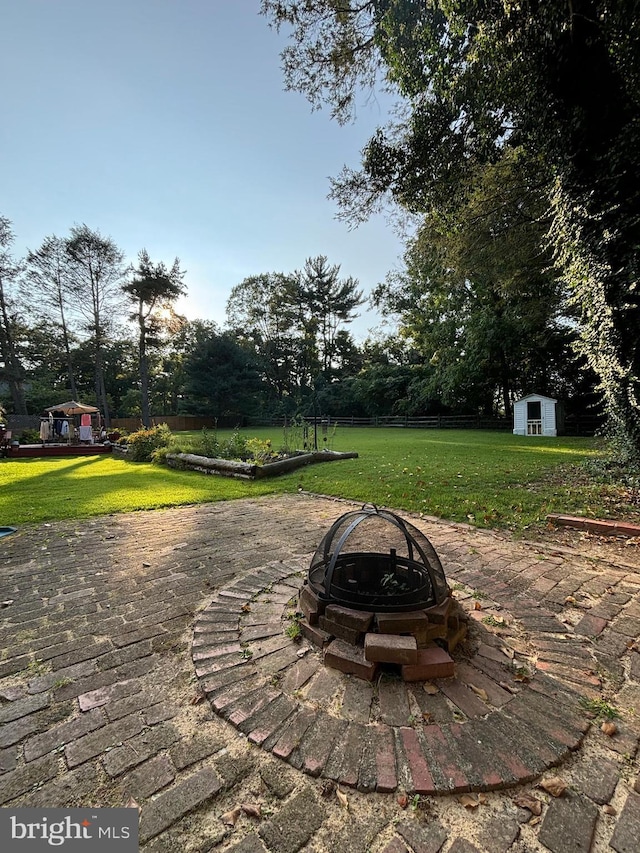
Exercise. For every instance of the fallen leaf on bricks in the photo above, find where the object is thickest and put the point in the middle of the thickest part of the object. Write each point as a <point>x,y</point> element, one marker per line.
<point>430,688</point>
<point>230,818</point>
<point>508,687</point>
<point>569,600</point>
<point>534,821</point>
<point>477,605</point>
<point>427,718</point>
<point>609,728</point>
<point>132,804</point>
<point>554,785</point>
<point>403,801</point>
<point>472,801</point>
<point>609,809</point>
<point>480,692</point>
<point>328,787</point>
<point>342,798</point>
<point>526,801</point>
<point>246,608</point>
<point>252,809</point>
<point>197,697</point>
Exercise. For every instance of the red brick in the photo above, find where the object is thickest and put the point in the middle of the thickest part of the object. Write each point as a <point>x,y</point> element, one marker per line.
<point>294,732</point>
<point>350,635</point>
<point>386,774</point>
<point>310,605</point>
<point>422,780</point>
<point>433,662</point>
<point>445,756</point>
<point>402,623</point>
<point>439,613</point>
<point>390,648</point>
<point>350,659</point>
<point>315,635</point>
<point>590,626</point>
<point>359,620</point>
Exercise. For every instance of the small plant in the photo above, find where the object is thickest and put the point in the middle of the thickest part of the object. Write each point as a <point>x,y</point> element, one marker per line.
<point>293,629</point>
<point>493,622</point>
<point>600,708</point>
<point>391,584</point>
<point>209,444</point>
<point>259,451</point>
<point>296,433</point>
<point>246,654</point>
<point>234,447</point>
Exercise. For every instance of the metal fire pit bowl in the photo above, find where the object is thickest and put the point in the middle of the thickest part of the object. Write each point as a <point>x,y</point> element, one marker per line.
<point>371,559</point>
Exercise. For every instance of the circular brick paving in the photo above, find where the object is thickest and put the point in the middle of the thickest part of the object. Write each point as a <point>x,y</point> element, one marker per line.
<point>512,711</point>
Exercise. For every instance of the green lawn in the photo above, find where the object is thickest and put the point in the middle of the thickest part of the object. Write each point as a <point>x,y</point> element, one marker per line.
<point>491,479</point>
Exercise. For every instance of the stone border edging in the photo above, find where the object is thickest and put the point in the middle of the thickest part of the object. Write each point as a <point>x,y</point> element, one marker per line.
<point>596,525</point>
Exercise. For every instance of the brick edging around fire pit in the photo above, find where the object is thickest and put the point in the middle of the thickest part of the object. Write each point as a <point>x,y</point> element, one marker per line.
<point>497,731</point>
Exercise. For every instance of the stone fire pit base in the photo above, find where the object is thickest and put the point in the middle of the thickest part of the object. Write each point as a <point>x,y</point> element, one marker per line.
<point>417,643</point>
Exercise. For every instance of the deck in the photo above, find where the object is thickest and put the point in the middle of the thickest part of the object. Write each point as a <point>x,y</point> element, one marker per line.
<point>30,450</point>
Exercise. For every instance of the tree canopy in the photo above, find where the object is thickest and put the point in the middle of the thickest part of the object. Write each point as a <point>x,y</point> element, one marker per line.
<point>560,81</point>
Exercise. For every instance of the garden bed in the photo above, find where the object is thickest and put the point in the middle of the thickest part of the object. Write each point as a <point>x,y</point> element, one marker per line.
<point>249,470</point>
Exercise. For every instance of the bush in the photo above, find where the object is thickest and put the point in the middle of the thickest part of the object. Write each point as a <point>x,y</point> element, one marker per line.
<point>144,442</point>
<point>209,443</point>
<point>235,447</point>
<point>30,436</point>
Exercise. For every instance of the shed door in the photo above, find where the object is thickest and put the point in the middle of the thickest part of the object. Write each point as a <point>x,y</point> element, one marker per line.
<point>534,417</point>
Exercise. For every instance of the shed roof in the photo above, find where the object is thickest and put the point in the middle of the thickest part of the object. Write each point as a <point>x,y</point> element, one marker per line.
<point>535,397</point>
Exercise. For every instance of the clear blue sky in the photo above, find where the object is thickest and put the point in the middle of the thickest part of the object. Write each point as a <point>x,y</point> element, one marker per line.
<point>165,124</point>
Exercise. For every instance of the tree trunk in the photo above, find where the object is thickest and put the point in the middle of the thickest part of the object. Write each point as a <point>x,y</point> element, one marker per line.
<point>144,382</point>
<point>12,369</point>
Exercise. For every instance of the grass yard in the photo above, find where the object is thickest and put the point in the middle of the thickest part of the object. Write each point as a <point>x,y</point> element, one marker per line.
<point>491,479</point>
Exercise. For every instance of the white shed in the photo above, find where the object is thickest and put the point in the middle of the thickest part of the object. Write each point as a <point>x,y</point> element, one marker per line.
<point>536,415</point>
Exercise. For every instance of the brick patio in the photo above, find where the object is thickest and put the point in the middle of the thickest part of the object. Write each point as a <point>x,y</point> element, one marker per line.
<point>145,662</point>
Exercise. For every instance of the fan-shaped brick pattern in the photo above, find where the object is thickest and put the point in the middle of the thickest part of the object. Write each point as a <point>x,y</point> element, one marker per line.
<point>511,711</point>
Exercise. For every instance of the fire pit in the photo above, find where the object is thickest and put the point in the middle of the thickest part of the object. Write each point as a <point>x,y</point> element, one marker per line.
<point>376,593</point>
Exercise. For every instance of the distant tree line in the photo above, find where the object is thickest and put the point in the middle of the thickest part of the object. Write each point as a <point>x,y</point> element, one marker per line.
<point>77,322</point>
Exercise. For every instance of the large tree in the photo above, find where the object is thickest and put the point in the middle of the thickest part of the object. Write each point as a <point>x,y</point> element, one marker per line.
<point>96,272</point>
<point>152,290</point>
<point>561,80</point>
<point>221,376</point>
<point>479,297</point>
<point>260,311</point>
<point>326,304</point>
<point>11,323</point>
<point>49,284</point>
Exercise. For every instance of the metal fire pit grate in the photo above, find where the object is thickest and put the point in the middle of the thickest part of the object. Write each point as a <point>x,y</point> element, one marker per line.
<point>371,559</point>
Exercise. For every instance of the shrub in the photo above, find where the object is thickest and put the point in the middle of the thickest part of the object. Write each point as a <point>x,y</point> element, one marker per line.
<point>30,436</point>
<point>259,451</point>
<point>235,447</point>
<point>143,442</point>
<point>209,443</point>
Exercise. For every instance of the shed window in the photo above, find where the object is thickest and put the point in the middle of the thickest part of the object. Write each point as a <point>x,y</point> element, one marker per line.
<point>534,410</point>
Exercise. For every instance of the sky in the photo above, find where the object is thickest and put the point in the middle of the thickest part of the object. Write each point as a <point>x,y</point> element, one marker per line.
<point>165,125</point>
